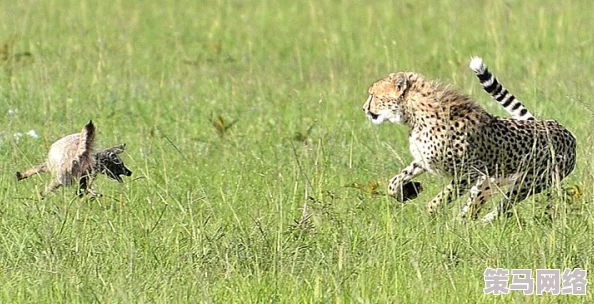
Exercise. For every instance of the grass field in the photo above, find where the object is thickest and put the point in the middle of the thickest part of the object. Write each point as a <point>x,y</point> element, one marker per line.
<point>259,212</point>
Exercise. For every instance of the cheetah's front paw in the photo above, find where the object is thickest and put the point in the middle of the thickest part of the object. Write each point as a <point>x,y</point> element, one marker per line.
<point>408,191</point>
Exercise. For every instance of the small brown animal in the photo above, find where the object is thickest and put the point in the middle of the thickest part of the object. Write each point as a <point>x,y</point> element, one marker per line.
<point>72,158</point>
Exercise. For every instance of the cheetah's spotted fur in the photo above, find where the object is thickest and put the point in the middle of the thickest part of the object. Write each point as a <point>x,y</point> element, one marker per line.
<point>452,136</point>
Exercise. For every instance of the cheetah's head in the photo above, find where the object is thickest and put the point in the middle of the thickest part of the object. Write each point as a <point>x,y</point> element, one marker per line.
<point>385,99</point>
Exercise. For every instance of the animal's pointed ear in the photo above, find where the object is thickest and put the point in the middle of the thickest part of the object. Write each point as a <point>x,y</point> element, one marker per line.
<point>119,148</point>
<point>401,82</point>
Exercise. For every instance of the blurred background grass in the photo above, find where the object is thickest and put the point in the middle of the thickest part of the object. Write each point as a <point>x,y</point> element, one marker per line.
<point>243,126</point>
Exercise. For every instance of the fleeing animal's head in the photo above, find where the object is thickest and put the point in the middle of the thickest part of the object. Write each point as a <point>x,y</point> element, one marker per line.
<point>110,164</point>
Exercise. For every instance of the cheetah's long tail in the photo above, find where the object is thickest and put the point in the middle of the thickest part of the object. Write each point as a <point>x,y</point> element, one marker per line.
<point>505,98</point>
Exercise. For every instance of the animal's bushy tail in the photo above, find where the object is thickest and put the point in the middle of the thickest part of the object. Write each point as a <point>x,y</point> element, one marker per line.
<point>85,147</point>
<point>505,98</point>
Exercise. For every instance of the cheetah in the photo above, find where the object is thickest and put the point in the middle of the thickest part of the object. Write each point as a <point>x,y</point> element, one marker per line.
<point>73,158</point>
<point>452,136</point>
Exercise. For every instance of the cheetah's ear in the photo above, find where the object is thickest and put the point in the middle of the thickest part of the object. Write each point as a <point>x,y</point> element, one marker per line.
<point>401,83</point>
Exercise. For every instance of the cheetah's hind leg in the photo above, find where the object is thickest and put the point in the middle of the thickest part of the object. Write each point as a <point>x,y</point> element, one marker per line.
<point>517,192</point>
<point>453,189</point>
<point>480,192</point>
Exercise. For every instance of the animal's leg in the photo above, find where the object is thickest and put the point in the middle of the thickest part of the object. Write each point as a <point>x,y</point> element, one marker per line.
<point>447,194</point>
<point>395,185</point>
<point>517,192</point>
<point>50,188</point>
<point>479,194</point>
<point>84,187</point>
<point>35,170</point>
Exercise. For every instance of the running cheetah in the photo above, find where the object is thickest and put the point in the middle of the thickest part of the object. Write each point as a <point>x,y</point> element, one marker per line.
<point>72,158</point>
<point>451,135</point>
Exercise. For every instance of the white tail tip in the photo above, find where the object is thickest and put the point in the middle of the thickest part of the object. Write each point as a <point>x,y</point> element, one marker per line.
<point>477,65</point>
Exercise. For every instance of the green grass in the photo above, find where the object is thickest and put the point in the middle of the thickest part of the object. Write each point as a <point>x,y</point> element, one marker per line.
<point>227,219</point>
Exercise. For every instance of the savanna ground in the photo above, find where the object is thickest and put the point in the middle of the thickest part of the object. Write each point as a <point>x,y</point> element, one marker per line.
<point>244,130</point>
